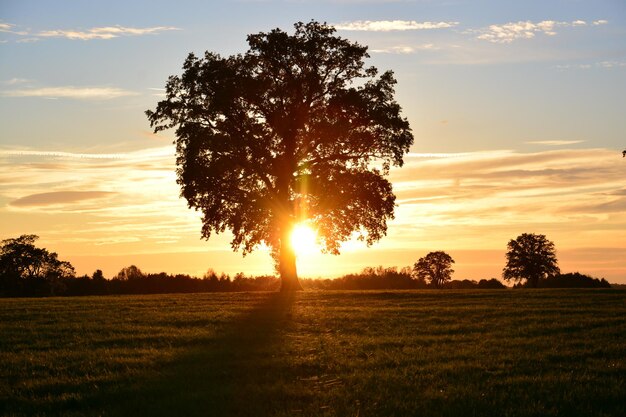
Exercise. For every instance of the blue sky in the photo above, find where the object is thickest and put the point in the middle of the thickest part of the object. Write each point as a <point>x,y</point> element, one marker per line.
<point>529,94</point>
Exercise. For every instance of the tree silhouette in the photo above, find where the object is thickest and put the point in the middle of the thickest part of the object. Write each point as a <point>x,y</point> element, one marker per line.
<point>98,275</point>
<point>288,132</point>
<point>130,273</point>
<point>530,257</point>
<point>435,267</point>
<point>21,260</point>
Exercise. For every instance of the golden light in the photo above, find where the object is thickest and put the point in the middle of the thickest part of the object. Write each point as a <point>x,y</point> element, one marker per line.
<point>303,240</point>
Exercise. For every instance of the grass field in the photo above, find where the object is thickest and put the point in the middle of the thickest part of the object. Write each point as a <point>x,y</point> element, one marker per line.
<point>430,353</point>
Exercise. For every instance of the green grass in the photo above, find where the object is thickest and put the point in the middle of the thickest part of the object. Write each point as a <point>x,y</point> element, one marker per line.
<point>430,353</point>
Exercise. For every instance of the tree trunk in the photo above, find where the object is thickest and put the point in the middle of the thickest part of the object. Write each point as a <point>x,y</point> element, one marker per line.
<point>287,265</point>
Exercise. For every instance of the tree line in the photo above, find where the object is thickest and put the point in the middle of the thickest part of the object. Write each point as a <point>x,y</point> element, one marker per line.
<point>27,271</point>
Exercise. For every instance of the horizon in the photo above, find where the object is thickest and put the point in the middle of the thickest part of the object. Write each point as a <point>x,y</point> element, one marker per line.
<point>517,113</point>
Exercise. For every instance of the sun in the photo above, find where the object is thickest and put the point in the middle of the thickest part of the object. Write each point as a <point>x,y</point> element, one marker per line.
<point>303,240</point>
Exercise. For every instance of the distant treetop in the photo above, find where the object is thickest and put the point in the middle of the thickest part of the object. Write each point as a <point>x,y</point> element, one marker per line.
<point>530,258</point>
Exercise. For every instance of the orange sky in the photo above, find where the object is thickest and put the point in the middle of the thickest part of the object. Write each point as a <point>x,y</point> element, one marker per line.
<point>468,204</point>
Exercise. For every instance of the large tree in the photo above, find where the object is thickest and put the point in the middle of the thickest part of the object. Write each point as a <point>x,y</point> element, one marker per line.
<point>297,129</point>
<point>435,267</point>
<point>530,257</point>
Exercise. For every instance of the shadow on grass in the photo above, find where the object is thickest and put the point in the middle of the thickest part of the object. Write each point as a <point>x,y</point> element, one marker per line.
<point>224,376</point>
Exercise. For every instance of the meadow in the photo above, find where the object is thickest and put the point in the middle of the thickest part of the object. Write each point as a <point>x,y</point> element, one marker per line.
<point>317,353</point>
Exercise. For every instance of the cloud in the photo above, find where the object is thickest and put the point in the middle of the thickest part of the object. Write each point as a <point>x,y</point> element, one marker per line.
<point>9,28</point>
<point>601,64</point>
<point>618,192</point>
<point>600,22</point>
<point>106,32</point>
<point>442,155</point>
<point>554,142</point>
<point>137,156</point>
<point>611,64</point>
<point>58,198</point>
<point>405,49</point>
<point>509,32</point>
<point>15,81</point>
<point>392,25</point>
<point>103,32</point>
<point>158,92</point>
<point>395,50</point>
<point>510,188</point>
<point>144,206</point>
<point>78,93</point>
<point>615,206</point>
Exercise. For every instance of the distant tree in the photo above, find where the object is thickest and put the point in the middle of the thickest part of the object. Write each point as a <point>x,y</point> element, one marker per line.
<point>465,284</point>
<point>296,129</point>
<point>530,258</point>
<point>130,273</point>
<point>574,280</point>
<point>97,275</point>
<point>493,283</point>
<point>21,260</point>
<point>435,267</point>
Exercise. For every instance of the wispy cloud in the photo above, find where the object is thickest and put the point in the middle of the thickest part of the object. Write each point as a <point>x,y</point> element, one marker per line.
<point>392,25</point>
<point>27,40</point>
<point>157,92</point>
<point>78,93</point>
<point>600,22</point>
<point>586,66</point>
<point>404,49</point>
<point>612,64</point>
<point>106,32</point>
<point>495,191</point>
<point>509,32</point>
<point>6,27</point>
<point>137,156</point>
<point>15,81</point>
<point>447,155</point>
<point>11,28</point>
<point>131,196</point>
<point>102,32</point>
<point>395,50</point>
<point>554,142</point>
<point>58,197</point>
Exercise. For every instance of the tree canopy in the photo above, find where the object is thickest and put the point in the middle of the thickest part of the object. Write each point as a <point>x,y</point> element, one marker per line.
<point>21,260</point>
<point>130,273</point>
<point>530,257</point>
<point>297,129</point>
<point>435,268</point>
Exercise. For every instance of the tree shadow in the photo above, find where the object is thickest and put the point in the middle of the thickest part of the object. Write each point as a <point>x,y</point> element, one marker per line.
<point>224,376</point>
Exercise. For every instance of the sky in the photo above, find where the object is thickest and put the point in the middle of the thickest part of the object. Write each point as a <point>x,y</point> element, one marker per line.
<point>517,108</point>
